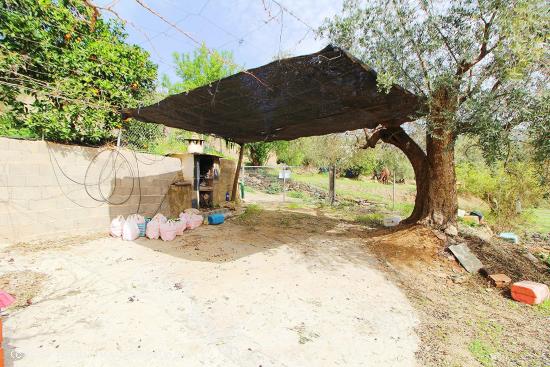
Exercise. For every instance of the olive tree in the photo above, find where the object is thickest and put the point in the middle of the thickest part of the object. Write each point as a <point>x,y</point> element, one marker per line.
<point>478,65</point>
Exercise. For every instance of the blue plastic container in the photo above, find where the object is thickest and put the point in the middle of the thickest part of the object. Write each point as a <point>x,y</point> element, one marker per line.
<point>216,218</point>
<point>510,237</point>
<point>143,226</point>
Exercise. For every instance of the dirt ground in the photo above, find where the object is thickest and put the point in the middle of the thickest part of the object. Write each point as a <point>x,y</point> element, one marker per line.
<point>287,289</point>
<point>273,287</point>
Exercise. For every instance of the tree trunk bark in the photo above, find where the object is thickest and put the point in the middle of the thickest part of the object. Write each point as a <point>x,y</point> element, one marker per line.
<point>442,203</point>
<point>434,171</point>
<point>237,172</point>
<point>400,139</point>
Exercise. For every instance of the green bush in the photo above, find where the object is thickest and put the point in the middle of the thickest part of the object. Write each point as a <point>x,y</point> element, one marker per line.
<point>502,187</point>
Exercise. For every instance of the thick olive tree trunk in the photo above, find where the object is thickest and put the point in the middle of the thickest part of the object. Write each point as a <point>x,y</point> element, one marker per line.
<point>436,200</point>
<point>441,201</point>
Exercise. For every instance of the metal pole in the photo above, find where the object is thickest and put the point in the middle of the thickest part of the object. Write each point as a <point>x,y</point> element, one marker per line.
<point>118,139</point>
<point>393,198</point>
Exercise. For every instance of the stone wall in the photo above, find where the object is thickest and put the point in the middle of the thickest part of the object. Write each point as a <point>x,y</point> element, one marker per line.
<point>49,190</point>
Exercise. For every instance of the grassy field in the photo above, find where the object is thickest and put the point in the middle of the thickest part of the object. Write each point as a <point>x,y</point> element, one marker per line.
<point>536,220</point>
<point>539,220</point>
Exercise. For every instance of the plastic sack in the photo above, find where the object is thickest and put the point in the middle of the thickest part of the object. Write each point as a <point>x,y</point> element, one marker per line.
<point>169,230</point>
<point>140,220</point>
<point>194,221</point>
<point>116,226</point>
<point>152,231</point>
<point>191,211</point>
<point>181,227</point>
<point>159,217</point>
<point>130,229</point>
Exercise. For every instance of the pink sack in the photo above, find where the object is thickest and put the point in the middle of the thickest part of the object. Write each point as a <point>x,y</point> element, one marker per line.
<point>169,230</point>
<point>138,218</point>
<point>184,217</point>
<point>181,226</point>
<point>161,218</point>
<point>194,221</point>
<point>130,230</point>
<point>116,226</point>
<point>152,231</point>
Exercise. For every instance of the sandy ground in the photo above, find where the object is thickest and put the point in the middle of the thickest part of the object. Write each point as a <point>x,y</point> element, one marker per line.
<point>229,295</point>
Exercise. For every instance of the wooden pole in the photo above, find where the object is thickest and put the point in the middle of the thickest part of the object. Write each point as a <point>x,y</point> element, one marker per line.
<point>331,184</point>
<point>237,172</point>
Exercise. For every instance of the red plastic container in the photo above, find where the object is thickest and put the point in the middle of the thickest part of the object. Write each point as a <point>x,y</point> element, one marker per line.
<point>531,293</point>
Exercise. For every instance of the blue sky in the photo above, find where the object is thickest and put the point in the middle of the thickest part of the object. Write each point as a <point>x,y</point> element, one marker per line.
<point>253,30</point>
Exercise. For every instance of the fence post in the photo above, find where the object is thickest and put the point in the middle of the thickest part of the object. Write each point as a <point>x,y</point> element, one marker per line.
<point>331,184</point>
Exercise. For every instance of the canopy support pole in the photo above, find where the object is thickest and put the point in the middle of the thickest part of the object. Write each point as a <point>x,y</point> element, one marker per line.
<point>237,172</point>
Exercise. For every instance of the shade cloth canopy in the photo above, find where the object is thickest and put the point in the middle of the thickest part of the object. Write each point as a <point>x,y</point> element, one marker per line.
<point>325,92</point>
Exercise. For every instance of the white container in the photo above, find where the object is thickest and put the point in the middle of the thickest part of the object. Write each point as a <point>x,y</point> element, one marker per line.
<point>391,221</point>
<point>461,213</point>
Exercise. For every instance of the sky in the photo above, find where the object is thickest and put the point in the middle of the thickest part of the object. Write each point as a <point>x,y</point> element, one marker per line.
<point>254,30</point>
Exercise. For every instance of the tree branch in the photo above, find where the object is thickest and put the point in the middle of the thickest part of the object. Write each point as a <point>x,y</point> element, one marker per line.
<point>415,47</point>
<point>443,37</point>
<point>464,66</point>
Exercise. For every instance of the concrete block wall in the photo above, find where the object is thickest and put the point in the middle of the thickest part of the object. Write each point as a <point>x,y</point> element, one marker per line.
<point>47,190</point>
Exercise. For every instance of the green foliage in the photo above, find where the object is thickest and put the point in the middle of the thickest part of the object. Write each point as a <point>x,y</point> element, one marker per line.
<point>392,158</point>
<point>487,343</point>
<point>481,65</point>
<point>198,69</point>
<point>289,152</point>
<point>274,188</point>
<point>501,187</point>
<point>482,352</point>
<point>544,307</point>
<point>297,194</point>
<point>362,162</point>
<point>259,152</point>
<point>66,73</point>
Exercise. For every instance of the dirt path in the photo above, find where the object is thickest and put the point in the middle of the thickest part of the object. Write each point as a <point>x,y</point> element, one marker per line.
<point>231,295</point>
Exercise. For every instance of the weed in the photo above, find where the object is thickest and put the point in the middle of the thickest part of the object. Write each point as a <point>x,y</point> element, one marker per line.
<point>293,205</point>
<point>250,213</point>
<point>487,342</point>
<point>544,308</point>
<point>482,352</point>
<point>372,219</point>
<point>274,188</point>
<point>296,194</point>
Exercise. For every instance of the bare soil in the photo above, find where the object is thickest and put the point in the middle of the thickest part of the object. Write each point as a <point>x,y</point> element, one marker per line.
<point>278,287</point>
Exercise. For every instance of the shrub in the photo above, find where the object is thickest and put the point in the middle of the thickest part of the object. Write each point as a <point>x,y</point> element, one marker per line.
<point>505,189</point>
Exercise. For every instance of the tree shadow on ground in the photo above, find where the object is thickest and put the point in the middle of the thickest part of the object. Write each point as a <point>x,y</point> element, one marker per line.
<point>318,239</point>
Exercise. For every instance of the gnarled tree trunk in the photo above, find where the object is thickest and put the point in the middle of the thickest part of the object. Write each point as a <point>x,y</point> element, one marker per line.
<point>436,200</point>
<point>441,203</point>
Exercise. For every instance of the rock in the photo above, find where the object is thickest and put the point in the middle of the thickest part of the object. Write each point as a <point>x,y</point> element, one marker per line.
<point>451,230</point>
<point>459,279</point>
<point>440,235</point>
<point>500,280</point>
<point>532,258</point>
<point>468,260</point>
